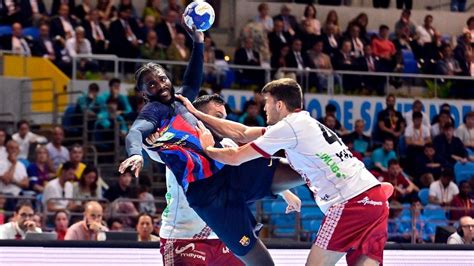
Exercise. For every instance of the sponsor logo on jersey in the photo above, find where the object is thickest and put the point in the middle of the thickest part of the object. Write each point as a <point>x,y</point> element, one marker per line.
<point>326,158</point>
<point>225,250</point>
<point>367,201</point>
<point>244,241</point>
<point>190,252</point>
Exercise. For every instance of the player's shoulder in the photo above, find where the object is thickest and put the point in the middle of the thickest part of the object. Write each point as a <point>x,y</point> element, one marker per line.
<point>152,110</point>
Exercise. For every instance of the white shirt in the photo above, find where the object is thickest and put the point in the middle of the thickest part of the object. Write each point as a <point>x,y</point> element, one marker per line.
<point>54,190</point>
<point>20,46</point>
<point>67,26</point>
<point>18,175</point>
<point>425,36</point>
<point>178,220</point>
<point>11,229</point>
<point>57,156</point>
<point>443,194</point>
<point>3,153</point>
<point>409,119</point>
<point>435,130</point>
<point>73,49</point>
<point>97,32</point>
<point>417,134</point>
<point>319,156</point>
<point>466,135</point>
<point>266,22</point>
<point>25,143</point>
<point>455,238</point>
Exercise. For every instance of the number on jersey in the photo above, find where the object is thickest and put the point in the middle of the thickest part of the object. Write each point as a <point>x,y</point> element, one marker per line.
<point>328,135</point>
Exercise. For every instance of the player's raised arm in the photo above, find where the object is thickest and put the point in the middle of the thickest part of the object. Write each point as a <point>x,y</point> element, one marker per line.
<point>192,79</point>
<point>229,129</point>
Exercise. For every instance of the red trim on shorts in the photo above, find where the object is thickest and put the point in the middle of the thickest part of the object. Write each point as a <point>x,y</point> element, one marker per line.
<point>264,130</point>
<point>262,152</point>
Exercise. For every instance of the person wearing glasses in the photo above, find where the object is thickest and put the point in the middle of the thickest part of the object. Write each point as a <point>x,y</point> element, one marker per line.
<point>464,233</point>
<point>22,222</point>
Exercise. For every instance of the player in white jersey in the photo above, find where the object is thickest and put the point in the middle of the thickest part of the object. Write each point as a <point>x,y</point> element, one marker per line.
<point>185,238</point>
<point>354,202</point>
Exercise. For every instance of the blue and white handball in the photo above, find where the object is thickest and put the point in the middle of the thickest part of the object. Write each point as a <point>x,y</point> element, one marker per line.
<point>199,13</point>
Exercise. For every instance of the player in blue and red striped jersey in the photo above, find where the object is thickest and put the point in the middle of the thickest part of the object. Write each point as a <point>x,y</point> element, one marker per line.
<point>218,193</point>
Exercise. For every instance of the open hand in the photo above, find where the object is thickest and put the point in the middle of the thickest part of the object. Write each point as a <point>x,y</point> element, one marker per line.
<point>294,203</point>
<point>187,103</point>
<point>136,163</point>
<point>205,136</point>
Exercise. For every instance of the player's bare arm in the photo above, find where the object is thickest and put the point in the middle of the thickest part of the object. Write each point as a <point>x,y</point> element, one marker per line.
<point>229,129</point>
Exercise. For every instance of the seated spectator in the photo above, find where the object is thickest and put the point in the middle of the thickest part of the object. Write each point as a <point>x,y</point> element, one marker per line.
<point>383,48</point>
<point>177,51</point>
<point>444,118</point>
<point>416,136</point>
<point>426,32</point>
<point>4,138</point>
<point>465,232</point>
<point>463,203</point>
<point>63,25</point>
<point>123,35</point>
<point>213,74</point>
<point>263,17</point>
<point>384,154</point>
<point>45,46</point>
<point>61,223</point>
<point>332,19</point>
<point>129,4</point>
<point>123,108</point>
<point>147,201</point>
<point>87,187</point>
<point>41,171</point>
<point>153,8</point>
<point>58,188</point>
<point>362,143</point>
<point>122,188</point>
<point>76,154</point>
<point>115,224</point>
<point>57,4</point>
<point>9,12</point>
<point>168,29</point>
<point>330,109</point>
<point>278,37</point>
<point>96,32</point>
<point>446,108</point>
<point>404,27</point>
<point>350,145</point>
<point>462,49</point>
<point>357,41</point>
<point>58,154</point>
<point>251,116</point>
<point>278,61</point>
<point>290,24</point>
<point>404,189</point>
<point>390,122</point>
<point>21,224</point>
<point>371,63</point>
<point>361,21</point>
<point>38,219</point>
<point>447,65</point>
<point>16,42</point>
<point>431,54</point>
<point>145,228</point>
<point>82,10</point>
<point>151,49</point>
<point>425,230</point>
<point>79,45</point>
<point>331,40</point>
<point>345,60</point>
<point>330,122</point>
<point>176,7</point>
<point>149,24</point>
<point>465,132</point>
<point>91,228</point>
<point>248,56</point>
<point>320,60</point>
<point>450,148</point>
<point>469,27</point>
<point>428,166</point>
<point>13,175</point>
<point>310,15</point>
<point>90,105</point>
<point>443,190</point>
<point>416,107</point>
<point>24,137</point>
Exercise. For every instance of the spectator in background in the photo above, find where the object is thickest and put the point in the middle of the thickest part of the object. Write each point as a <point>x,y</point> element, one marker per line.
<point>251,116</point>
<point>24,137</point>
<point>330,122</point>
<point>458,5</point>
<point>44,46</point>
<point>299,59</point>
<point>449,147</point>
<point>426,31</point>
<point>149,24</point>
<point>443,118</point>
<point>428,166</point>
<point>90,103</point>
<point>432,53</point>
<point>382,155</point>
<point>290,24</point>
<point>404,26</point>
<point>38,219</point>
<point>107,11</point>
<point>61,223</point>
<point>63,25</point>
<point>56,5</point>
<point>331,110</point>
<point>77,155</point>
<point>87,187</point>
<point>58,188</point>
<point>278,60</point>
<point>9,11</point>
<point>263,17</point>
<point>123,104</point>
<point>463,53</point>
<point>278,37</point>
<point>129,5</point>
<point>147,201</point>
<point>465,132</point>
<point>115,224</point>
<point>173,5</point>
<point>362,20</point>
<point>320,60</point>
<point>469,27</point>
<point>371,63</point>
<point>16,42</point>
<point>463,202</point>
<point>390,122</point>
<point>361,142</point>
<point>13,175</point>
<point>82,10</point>
<point>122,188</point>
<point>123,35</point>
<point>145,228</point>
<point>447,65</point>
<point>21,224</point>
<point>445,107</point>
<point>356,39</point>
<point>416,136</point>
<point>41,171</point>
<point>443,190</point>
<point>350,145</point>
<point>332,19</point>
<point>96,32</point>
<point>79,45</point>
<point>345,60</point>
<point>331,40</point>
<point>32,12</point>
<point>151,49</point>
<point>383,48</point>
<point>178,51</point>
<point>153,8</point>
<point>417,106</point>
<point>465,232</point>
<point>169,29</point>
<point>91,228</point>
<point>58,154</point>
<point>404,189</point>
<point>4,138</point>
<point>381,3</point>
<point>310,15</point>
<point>248,56</point>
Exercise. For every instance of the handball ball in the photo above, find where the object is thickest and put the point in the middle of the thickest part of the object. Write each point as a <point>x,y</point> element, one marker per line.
<point>200,14</point>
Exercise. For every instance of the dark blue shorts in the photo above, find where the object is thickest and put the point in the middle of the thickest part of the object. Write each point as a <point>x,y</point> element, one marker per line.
<point>222,201</point>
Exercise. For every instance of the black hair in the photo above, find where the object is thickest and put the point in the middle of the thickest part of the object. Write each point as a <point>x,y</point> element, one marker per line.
<point>416,115</point>
<point>383,27</point>
<point>21,204</point>
<point>21,122</point>
<point>113,81</point>
<point>393,162</point>
<point>447,172</point>
<point>202,101</point>
<point>330,108</point>
<point>67,166</point>
<point>94,87</point>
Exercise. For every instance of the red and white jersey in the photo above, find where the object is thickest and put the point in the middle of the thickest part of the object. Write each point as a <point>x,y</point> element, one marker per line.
<point>319,156</point>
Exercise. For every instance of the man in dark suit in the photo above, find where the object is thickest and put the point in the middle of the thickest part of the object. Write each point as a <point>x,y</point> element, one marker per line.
<point>57,4</point>
<point>297,58</point>
<point>44,46</point>
<point>16,42</point>
<point>249,57</point>
<point>63,25</point>
<point>344,60</point>
<point>278,37</point>
<point>96,33</point>
<point>370,63</point>
<point>289,21</point>
<point>168,29</point>
<point>9,11</point>
<point>330,40</point>
<point>123,36</point>
<point>32,11</point>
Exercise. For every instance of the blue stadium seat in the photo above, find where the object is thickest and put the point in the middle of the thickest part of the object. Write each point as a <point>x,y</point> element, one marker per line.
<point>463,171</point>
<point>267,206</point>
<point>284,224</point>
<point>312,213</point>
<point>424,195</point>
<point>31,31</point>
<point>434,212</point>
<point>409,62</point>
<point>304,193</point>
<point>229,79</point>
<point>5,30</point>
